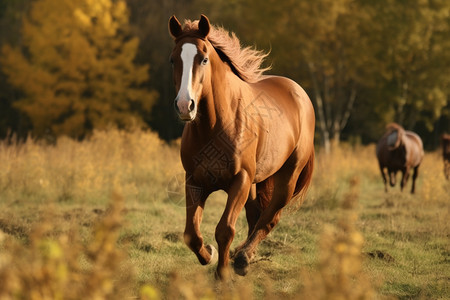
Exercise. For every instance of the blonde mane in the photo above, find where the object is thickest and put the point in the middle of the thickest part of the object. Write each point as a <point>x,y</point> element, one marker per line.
<point>245,62</point>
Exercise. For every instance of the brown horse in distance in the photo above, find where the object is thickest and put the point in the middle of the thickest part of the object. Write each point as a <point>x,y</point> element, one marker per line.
<point>245,133</point>
<point>446,154</point>
<point>399,150</point>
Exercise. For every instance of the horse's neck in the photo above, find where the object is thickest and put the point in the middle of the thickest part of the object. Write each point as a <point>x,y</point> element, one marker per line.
<point>222,103</point>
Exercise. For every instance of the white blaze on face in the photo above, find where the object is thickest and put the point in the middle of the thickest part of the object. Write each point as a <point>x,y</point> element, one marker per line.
<point>188,52</point>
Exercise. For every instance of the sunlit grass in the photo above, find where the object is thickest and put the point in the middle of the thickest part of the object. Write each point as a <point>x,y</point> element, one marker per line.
<point>70,171</point>
<point>349,239</point>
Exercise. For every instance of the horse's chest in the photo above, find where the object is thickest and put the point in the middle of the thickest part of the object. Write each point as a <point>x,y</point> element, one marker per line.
<point>216,161</point>
<point>214,164</point>
<point>397,159</point>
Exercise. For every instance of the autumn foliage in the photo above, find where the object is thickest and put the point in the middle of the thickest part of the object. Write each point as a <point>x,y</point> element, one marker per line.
<point>76,68</point>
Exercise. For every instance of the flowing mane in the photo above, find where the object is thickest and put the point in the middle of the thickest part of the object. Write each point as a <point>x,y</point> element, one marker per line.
<point>245,62</point>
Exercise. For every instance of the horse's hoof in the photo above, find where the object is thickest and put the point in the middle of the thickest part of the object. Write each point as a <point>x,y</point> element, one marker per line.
<point>240,264</point>
<point>213,252</point>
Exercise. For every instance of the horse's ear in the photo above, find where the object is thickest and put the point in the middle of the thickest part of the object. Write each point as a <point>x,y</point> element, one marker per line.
<point>175,27</point>
<point>204,26</point>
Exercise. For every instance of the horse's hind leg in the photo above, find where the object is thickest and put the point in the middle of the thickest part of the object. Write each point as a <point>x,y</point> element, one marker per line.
<point>252,209</point>
<point>270,216</point>
<point>258,200</point>
<point>415,174</point>
<point>254,206</point>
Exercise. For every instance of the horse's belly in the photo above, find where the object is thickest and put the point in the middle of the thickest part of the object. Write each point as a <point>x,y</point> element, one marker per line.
<point>272,154</point>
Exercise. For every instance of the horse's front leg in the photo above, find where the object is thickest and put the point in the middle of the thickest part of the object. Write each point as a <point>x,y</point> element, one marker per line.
<point>237,196</point>
<point>383,175</point>
<point>195,203</point>
<point>405,176</point>
<point>392,177</point>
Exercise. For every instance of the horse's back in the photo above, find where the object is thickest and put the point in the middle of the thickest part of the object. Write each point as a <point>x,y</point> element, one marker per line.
<point>293,102</point>
<point>287,93</point>
<point>415,148</point>
<point>415,138</point>
<point>274,83</point>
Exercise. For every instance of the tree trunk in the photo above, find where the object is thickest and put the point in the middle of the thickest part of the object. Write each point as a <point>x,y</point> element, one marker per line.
<point>331,122</point>
<point>320,111</point>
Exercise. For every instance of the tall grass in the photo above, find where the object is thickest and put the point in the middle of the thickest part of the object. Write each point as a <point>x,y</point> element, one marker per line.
<point>70,171</point>
<point>102,219</point>
<point>339,273</point>
<point>334,172</point>
<point>61,266</point>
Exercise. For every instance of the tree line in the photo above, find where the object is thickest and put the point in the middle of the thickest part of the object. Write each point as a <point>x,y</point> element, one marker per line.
<point>68,67</point>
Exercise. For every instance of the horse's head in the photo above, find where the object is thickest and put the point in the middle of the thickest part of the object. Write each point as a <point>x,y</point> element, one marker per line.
<point>191,67</point>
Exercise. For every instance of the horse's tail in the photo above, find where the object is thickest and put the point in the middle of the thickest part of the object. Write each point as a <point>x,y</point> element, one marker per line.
<point>304,180</point>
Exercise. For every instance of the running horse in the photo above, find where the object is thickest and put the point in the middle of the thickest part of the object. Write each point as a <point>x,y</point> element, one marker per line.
<point>399,150</point>
<point>248,134</point>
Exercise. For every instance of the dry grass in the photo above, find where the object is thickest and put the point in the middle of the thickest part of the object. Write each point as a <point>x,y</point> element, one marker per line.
<point>350,240</point>
<point>61,266</point>
<point>339,274</point>
<point>140,163</point>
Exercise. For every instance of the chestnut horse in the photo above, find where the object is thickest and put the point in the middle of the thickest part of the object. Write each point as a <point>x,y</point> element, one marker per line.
<point>446,154</point>
<point>245,133</point>
<point>399,150</point>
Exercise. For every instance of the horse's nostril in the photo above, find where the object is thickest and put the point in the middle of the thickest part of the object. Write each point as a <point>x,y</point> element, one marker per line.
<point>191,105</point>
<point>175,103</point>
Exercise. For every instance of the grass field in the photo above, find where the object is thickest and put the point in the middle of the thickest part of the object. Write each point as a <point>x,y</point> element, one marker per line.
<point>103,219</point>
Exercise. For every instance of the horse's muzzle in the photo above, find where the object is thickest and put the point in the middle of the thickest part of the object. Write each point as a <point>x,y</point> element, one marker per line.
<point>186,110</point>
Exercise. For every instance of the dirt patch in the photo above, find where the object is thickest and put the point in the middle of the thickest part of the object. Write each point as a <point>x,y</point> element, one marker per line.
<point>13,229</point>
<point>381,255</point>
<point>147,248</point>
<point>173,237</point>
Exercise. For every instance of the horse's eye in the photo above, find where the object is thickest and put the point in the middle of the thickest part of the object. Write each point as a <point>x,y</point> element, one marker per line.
<point>171,61</point>
<point>205,61</point>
